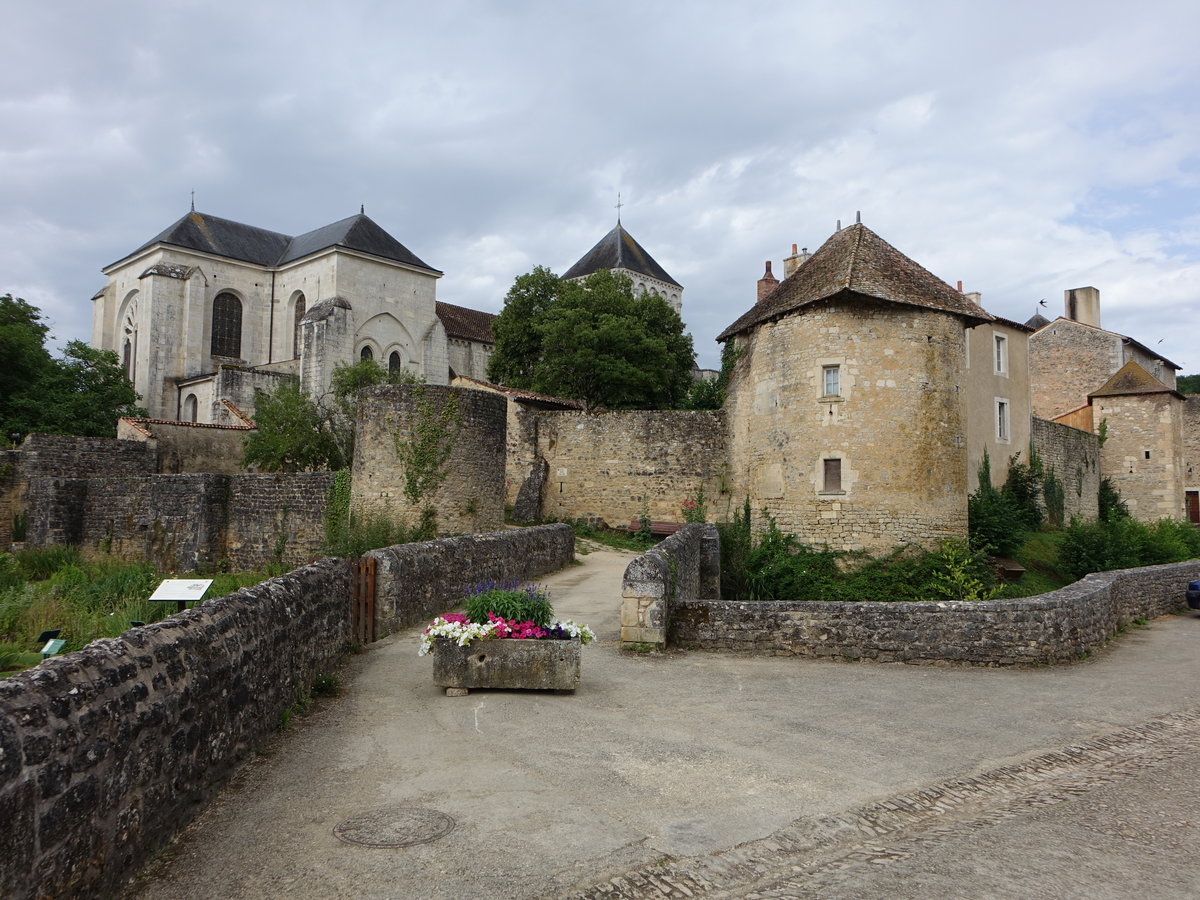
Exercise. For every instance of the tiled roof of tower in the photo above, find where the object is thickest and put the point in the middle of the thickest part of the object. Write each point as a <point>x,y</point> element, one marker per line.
<point>618,250</point>
<point>1131,378</point>
<point>856,260</point>
<point>464,323</point>
<point>1036,321</point>
<point>234,240</point>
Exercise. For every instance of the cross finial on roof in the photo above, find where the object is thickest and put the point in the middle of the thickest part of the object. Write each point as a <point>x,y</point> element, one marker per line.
<point>619,205</point>
<point>193,201</point>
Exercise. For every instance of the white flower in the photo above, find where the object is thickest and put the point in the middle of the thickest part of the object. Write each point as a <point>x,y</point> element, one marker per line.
<point>462,633</point>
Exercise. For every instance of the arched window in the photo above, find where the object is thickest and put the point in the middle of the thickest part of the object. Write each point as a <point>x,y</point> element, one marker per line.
<point>366,354</point>
<point>394,363</point>
<point>300,307</point>
<point>189,408</point>
<point>127,358</point>
<point>129,346</point>
<point>227,325</point>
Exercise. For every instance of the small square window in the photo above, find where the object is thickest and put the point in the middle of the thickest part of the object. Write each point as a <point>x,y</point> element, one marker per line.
<point>833,476</point>
<point>1147,452</point>
<point>831,381</point>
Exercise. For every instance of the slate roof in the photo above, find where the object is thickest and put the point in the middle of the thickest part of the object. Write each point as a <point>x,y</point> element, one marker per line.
<point>618,250</point>
<point>1037,321</point>
<point>248,243</point>
<point>464,323</point>
<point>854,261</point>
<point>1132,379</point>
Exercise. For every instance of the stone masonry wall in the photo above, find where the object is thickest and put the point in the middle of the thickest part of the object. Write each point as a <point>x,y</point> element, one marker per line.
<point>1067,361</point>
<point>107,752</point>
<point>1191,447</point>
<point>415,582</point>
<point>472,498</point>
<point>685,566</point>
<point>1051,628</point>
<point>1074,457</point>
<point>606,465</point>
<point>1143,452</point>
<point>189,447</point>
<point>185,523</point>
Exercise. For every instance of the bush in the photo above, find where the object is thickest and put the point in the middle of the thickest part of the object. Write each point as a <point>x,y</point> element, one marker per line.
<point>520,603</point>
<point>1112,507</point>
<point>1124,543</point>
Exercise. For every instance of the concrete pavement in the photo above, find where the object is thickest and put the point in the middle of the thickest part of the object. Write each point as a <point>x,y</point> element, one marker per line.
<point>664,764</point>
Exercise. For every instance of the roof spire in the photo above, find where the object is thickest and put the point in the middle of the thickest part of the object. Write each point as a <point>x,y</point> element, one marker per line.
<point>362,209</point>
<point>193,201</point>
<point>619,205</point>
<point>858,217</point>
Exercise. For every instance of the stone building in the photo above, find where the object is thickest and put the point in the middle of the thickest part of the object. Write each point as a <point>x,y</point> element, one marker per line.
<point>210,309</point>
<point>997,396</point>
<point>846,412</point>
<point>619,252</point>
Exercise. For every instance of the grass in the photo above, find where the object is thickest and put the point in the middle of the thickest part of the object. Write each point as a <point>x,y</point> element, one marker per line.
<point>58,588</point>
<point>618,539</point>
<point>1043,571</point>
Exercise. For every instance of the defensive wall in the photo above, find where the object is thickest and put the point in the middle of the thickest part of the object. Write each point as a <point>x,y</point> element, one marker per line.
<point>1074,458</point>
<point>185,523</point>
<point>614,465</point>
<point>1050,628</point>
<point>189,447</point>
<point>107,752</point>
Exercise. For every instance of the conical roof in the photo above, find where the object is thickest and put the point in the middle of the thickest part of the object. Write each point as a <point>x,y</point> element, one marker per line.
<point>856,260</point>
<point>248,243</point>
<point>1036,321</point>
<point>618,250</point>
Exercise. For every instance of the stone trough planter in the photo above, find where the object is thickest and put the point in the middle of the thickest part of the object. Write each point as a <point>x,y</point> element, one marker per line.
<point>532,665</point>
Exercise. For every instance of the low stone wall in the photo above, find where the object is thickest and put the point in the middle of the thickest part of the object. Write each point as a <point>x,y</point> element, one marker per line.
<point>1050,628</point>
<point>685,566</point>
<point>415,582</point>
<point>185,523</point>
<point>105,753</point>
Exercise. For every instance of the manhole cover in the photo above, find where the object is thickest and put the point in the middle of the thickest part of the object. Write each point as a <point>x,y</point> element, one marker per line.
<point>395,826</point>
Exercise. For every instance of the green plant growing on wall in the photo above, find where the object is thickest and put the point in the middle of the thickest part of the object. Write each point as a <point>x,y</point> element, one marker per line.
<point>425,453</point>
<point>1054,494</point>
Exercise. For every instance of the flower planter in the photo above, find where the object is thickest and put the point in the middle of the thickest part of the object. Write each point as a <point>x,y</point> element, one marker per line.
<point>532,665</point>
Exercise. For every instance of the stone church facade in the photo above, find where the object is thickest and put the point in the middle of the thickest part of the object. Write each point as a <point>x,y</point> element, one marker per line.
<point>209,310</point>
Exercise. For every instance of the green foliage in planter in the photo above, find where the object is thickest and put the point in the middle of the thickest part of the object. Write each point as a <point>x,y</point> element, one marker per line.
<point>527,603</point>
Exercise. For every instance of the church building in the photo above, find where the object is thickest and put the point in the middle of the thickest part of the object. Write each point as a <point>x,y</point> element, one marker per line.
<point>619,252</point>
<point>208,310</point>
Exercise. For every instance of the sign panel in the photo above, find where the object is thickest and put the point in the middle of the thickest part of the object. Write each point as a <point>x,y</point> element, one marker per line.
<point>182,590</point>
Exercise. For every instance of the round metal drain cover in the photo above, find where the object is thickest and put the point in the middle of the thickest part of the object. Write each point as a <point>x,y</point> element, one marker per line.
<point>395,826</point>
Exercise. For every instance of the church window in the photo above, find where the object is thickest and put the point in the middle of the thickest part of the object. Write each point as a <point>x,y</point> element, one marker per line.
<point>831,381</point>
<point>832,476</point>
<point>227,325</point>
<point>366,353</point>
<point>394,362</point>
<point>189,408</point>
<point>127,358</point>
<point>296,326</point>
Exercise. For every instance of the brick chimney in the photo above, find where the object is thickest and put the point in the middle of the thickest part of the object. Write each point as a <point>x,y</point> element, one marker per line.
<point>1083,305</point>
<point>795,261</point>
<point>766,284</point>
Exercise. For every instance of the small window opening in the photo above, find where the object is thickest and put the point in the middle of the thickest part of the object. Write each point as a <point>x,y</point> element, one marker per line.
<point>1147,452</point>
<point>831,381</point>
<point>366,354</point>
<point>1002,420</point>
<point>394,363</point>
<point>833,476</point>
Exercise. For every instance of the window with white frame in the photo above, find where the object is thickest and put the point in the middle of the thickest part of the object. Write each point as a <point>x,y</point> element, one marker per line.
<point>1003,433</point>
<point>831,381</point>
<point>1001,353</point>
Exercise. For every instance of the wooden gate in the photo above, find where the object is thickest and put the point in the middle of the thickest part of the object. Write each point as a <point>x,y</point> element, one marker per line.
<point>362,599</point>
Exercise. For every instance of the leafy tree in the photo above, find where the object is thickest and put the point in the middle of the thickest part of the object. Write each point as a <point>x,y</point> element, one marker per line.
<point>298,434</point>
<point>1188,384</point>
<point>592,340</point>
<point>710,394</point>
<point>82,393</point>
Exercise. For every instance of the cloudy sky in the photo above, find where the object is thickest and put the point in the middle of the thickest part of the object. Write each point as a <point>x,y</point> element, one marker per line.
<point>1024,148</point>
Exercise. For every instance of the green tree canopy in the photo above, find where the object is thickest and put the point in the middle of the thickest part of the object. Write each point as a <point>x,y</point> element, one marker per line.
<point>84,392</point>
<point>592,340</point>
<point>1188,384</point>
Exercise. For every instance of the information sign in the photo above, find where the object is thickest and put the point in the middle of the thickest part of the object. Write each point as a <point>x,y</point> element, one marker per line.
<point>182,590</point>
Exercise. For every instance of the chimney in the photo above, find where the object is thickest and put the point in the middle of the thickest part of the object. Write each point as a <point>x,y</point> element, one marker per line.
<point>975,297</point>
<point>1083,305</point>
<point>795,261</point>
<point>766,284</point>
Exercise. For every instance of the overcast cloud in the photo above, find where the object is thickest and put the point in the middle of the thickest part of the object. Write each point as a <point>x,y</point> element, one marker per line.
<point>1024,148</point>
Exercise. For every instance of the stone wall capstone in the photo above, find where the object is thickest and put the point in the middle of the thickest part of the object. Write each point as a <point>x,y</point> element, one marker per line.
<point>1050,628</point>
<point>107,752</point>
<point>415,582</point>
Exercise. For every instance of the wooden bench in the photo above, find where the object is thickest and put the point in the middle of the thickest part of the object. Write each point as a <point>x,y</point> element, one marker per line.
<point>662,528</point>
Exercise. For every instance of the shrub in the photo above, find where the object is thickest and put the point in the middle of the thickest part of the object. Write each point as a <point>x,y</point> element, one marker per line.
<point>1112,507</point>
<point>1124,542</point>
<point>520,603</point>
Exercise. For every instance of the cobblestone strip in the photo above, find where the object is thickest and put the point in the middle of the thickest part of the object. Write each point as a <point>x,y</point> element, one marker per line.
<point>811,854</point>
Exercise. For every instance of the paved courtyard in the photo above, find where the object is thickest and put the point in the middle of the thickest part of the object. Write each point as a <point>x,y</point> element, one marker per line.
<point>697,774</point>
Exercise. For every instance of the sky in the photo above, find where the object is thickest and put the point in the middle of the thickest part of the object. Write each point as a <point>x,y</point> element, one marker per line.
<point>1022,148</point>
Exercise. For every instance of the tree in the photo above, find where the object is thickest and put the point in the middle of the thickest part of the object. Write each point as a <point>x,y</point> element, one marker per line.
<point>83,393</point>
<point>298,434</point>
<point>592,340</point>
<point>1188,384</point>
